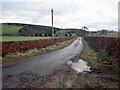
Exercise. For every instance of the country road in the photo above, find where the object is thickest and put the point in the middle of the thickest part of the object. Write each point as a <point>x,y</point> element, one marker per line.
<point>40,65</point>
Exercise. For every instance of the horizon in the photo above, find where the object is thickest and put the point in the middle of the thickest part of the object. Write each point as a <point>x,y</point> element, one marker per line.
<point>58,27</point>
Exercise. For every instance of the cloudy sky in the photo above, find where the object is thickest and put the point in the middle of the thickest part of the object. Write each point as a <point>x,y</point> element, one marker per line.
<point>95,14</point>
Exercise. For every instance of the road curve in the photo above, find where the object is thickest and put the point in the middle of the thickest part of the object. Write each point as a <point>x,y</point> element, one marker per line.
<point>45,63</point>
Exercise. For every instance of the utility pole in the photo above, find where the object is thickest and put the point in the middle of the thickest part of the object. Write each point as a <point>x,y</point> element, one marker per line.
<point>52,23</point>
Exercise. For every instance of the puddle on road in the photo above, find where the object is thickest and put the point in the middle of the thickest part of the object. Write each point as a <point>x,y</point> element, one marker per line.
<point>80,66</point>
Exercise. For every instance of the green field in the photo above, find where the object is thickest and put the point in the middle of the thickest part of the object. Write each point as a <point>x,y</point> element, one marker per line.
<point>20,38</point>
<point>110,34</point>
<point>115,34</point>
<point>6,29</point>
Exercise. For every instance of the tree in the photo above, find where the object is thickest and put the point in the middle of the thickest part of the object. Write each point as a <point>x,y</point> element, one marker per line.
<point>84,28</point>
<point>84,31</point>
<point>103,32</point>
<point>66,34</point>
<point>40,35</point>
<point>36,34</point>
<point>50,35</point>
<point>70,34</point>
<point>20,30</point>
<point>45,34</point>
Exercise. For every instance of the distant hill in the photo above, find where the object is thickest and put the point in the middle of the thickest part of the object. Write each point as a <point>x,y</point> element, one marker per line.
<point>26,29</point>
<point>20,29</point>
<point>8,30</point>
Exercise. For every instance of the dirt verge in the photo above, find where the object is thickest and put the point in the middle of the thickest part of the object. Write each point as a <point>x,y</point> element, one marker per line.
<point>66,77</point>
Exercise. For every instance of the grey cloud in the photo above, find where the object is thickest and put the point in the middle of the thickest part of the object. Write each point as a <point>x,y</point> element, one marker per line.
<point>67,13</point>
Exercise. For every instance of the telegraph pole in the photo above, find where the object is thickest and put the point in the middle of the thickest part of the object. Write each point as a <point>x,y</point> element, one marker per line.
<point>52,23</point>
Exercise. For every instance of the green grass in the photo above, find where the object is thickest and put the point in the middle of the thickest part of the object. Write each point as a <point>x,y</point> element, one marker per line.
<point>6,29</point>
<point>20,38</point>
<point>115,34</point>
<point>0,29</point>
<point>90,56</point>
<point>110,34</point>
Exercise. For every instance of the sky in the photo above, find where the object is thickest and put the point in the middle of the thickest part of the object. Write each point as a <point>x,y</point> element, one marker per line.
<point>95,14</point>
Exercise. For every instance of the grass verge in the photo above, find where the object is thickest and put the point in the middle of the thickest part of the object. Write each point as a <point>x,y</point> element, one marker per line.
<point>90,56</point>
<point>34,52</point>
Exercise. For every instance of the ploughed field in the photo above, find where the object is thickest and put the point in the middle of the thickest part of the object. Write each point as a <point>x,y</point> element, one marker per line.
<point>22,46</point>
<point>107,45</point>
